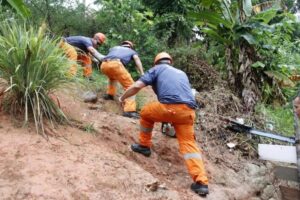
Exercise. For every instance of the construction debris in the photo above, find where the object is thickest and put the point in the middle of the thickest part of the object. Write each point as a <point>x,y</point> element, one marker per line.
<point>231,145</point>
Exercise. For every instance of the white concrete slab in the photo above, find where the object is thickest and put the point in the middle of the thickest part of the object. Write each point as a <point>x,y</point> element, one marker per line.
<point>278,153</point>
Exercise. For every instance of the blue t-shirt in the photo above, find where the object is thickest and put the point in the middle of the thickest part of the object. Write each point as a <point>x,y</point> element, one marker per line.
<point>171,85</point>
<point>80,42</point>
<point>125,54</point>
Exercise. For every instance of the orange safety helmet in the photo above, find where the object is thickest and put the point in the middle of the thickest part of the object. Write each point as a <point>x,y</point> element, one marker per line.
<point>161,56</point>
<point>100,37</point>
<point>129,43</point>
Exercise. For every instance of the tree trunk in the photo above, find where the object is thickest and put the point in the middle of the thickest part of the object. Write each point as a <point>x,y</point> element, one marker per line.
<point>247,81</point>
<point>230,66</point>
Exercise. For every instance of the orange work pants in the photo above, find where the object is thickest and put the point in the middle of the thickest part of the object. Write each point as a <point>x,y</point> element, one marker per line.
<point>71,53</point>
<point>86,62</point>
<point>84,59</point>
<point>115,71</point>
<point>182,117</point>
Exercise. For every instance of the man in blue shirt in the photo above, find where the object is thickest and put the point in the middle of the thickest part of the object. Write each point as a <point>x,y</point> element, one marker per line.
<point>175,105</point>
<point>78,48</point>
<point>113,66</point>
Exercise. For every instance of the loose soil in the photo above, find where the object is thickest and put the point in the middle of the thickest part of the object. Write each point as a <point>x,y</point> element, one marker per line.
<point>92,160</point>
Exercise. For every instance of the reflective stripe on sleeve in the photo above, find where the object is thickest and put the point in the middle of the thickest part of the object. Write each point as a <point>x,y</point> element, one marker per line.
<point>192,155</point>
<point>145,130</point>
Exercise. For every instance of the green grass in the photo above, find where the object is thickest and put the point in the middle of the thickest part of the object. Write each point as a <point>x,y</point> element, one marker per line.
<point>96,85</point>
<point>89,128</point>
<point>34,67</point>
<point>99,81</point>
<point>281,118</point>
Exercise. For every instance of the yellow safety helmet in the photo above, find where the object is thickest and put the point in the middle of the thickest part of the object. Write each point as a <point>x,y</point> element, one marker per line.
<point>162,56</point>
<point>100,37</point>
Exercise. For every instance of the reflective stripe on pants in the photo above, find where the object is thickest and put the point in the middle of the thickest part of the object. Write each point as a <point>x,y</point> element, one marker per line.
<point>182,117</point>
<point>116,71</point>
<point>145,134</point>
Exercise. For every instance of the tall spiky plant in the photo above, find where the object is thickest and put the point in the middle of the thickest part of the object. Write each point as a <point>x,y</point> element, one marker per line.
<point>34,66</point>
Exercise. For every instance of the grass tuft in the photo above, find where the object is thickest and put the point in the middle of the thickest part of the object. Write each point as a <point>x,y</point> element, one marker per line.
<point>34,67</point>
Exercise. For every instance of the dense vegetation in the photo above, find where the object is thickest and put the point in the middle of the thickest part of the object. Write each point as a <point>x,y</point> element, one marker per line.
<point>254,44</point>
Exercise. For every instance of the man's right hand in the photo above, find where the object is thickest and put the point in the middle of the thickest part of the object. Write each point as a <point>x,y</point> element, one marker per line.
<point>96,54</point>
<point>96,61</point>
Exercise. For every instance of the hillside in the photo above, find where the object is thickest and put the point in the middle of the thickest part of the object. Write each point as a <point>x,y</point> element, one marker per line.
<point>92,158</point>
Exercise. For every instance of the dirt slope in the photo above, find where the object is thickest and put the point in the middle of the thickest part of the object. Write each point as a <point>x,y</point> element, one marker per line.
<point>77,164</point>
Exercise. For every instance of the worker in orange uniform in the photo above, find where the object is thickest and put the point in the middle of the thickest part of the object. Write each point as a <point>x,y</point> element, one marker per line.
<point>113,66</point>
<point>78,48</point>
<point>176,104</point>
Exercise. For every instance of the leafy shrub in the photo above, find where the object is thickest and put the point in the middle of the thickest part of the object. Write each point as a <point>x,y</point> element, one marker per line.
<point>202,76</point>
<point>34,67</point>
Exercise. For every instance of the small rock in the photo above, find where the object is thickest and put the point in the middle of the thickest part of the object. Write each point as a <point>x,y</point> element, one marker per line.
<point>252,169</point>
<point>94,107</point>
<point>90,97</point>
<point>163,186</point>
<point>262,170</point>
<point>258,183</point>
<point>152,186</point>
<point>268,192</point>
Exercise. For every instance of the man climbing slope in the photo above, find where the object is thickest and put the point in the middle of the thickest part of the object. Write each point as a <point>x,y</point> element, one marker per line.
<point>113,66</point>
<point>78,48</point>
<point>176,105</point>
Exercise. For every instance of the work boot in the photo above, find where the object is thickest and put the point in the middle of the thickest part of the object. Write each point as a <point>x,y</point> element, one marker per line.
<point>200,188</point>
<point>108,97</point>
<point>133,115</point>
<point>141,149</point>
